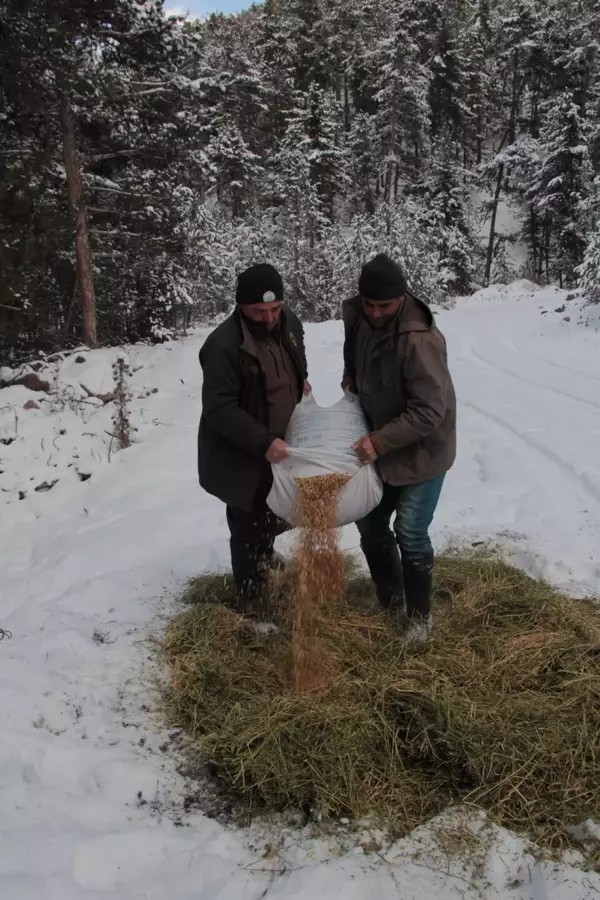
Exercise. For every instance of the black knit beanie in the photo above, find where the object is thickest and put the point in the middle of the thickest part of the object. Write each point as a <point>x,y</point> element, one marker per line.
<point>259,284</point>
<point>382,279</point>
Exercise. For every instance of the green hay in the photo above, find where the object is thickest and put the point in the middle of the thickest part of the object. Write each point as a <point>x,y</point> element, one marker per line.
<point>501,709</point>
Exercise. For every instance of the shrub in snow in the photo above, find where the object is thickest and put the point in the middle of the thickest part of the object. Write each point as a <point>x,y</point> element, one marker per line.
<point>121,416</point>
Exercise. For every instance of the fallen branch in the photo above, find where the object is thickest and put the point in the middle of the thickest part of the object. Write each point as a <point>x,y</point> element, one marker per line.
<point>103,157</point>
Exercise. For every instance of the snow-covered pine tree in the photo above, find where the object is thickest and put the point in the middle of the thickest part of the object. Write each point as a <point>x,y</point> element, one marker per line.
<point>474,43</point>
<point>277,52</point>
<point>327,152</point>
<point>402,85</point>
<point>312,63</point>
<point>445,218</point>
<point>364,148</point>
<point>520,161</point>
<point>104,79</point>
<point>560,190</point>
<point>283,132</point>
<point>589,271</point>
<point>299,219</point>
<point>446,89</point>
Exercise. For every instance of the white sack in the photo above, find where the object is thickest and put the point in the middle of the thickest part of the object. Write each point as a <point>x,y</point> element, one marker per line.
<point>320,439</point>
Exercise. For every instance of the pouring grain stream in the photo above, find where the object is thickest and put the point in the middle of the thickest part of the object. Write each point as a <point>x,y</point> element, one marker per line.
<point>321,576</point>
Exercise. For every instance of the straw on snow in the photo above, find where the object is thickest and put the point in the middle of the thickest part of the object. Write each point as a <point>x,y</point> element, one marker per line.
<point>500,710</point>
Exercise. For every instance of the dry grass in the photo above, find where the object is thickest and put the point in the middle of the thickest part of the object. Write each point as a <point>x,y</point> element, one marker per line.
<point>500,710</point>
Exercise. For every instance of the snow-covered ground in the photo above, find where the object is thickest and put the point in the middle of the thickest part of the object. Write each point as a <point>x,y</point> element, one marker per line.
<point>88,568</point>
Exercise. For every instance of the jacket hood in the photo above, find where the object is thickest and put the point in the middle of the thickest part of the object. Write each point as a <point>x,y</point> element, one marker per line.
<point>414,315</point>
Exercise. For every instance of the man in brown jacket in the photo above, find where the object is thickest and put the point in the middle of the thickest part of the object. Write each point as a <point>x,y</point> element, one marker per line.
<point>396,361</point>
<point>254,367</point>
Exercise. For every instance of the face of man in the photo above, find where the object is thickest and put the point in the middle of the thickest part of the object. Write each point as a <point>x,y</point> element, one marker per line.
<point>264,316</point>
<point>379,313</point>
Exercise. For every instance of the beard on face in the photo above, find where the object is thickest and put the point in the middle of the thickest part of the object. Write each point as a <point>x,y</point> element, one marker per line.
<point>262,331</point>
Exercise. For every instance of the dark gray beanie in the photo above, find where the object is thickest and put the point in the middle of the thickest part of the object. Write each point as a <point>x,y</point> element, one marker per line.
<point>382,279</point>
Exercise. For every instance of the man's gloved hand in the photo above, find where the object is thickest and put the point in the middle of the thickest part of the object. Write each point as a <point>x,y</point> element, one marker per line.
<point>278,451</point>
<point>365,450</point>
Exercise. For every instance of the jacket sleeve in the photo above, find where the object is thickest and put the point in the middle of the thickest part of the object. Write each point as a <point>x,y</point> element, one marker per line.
<point>221,389</point>
<point>349,376</point>
<point>427,382</point>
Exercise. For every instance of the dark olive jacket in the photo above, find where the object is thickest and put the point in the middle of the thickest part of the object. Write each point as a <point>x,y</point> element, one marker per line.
<point>404,385</point>
<point>234,434</point>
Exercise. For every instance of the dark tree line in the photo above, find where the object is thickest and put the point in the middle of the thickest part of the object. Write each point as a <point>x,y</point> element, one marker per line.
<point>144,159</point>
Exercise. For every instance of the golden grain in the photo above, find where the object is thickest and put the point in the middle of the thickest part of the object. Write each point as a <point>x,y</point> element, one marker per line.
<point>321,577</point>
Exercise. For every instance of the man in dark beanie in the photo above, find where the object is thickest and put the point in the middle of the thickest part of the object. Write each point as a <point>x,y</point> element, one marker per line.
<point>255,373</point>
<point>396,361</point>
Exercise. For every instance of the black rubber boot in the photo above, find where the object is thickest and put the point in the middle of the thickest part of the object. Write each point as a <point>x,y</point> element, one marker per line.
<point>250,563</point>
<point>418,586</point>
<point>252,539</point>
<point>386,571</point>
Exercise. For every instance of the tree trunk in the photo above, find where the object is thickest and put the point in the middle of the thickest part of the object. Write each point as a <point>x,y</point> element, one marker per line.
<point>534,240</point>
<point>346,103</point>
<point>85,276</point>
<point>389,176</point>
<point>548,236</point>
<point>490,249</point>
<point>545,250</point>
<point>515,96</point>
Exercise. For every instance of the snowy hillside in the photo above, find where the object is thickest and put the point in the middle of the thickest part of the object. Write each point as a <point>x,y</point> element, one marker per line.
<point>91,559</point>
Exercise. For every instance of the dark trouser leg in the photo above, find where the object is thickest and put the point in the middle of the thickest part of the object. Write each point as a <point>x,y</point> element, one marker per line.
<point>414,515</point>
<point>381,550</point>
<point>252,538</point>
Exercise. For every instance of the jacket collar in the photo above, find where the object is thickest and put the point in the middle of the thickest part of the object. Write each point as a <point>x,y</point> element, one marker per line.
<point>248,339</point>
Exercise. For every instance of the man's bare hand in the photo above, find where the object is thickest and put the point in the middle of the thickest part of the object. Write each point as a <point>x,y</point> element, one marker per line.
<point>365,450</point>
<point>278,451</point>
<point>348,384</point>
<point>307,388</point>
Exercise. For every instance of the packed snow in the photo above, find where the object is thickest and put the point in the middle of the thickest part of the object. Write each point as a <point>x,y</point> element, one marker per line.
<point>95,543</point>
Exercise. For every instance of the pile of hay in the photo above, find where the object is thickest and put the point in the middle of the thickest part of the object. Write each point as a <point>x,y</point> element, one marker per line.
<point>501,709</point>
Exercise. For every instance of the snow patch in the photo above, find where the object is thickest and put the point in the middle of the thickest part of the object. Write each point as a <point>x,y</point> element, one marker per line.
<point>89,791</point>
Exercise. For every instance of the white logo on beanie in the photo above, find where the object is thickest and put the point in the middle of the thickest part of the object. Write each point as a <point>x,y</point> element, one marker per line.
<point>269,297</point>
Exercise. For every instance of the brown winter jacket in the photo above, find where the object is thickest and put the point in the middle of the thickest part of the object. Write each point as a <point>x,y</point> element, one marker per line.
<point>402,379</point>
<point>234,433</point>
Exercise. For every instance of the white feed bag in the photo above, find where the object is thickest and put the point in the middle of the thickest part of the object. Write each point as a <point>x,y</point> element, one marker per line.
<point>320,439</point>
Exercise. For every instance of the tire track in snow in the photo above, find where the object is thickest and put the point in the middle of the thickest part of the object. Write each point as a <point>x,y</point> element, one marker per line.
<point>523,379</point>
<point>551,363</point>
<point>583,481</point>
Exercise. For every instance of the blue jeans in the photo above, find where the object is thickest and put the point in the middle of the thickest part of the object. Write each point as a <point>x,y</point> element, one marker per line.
<point>415,506</point>
<point>406,574</point>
